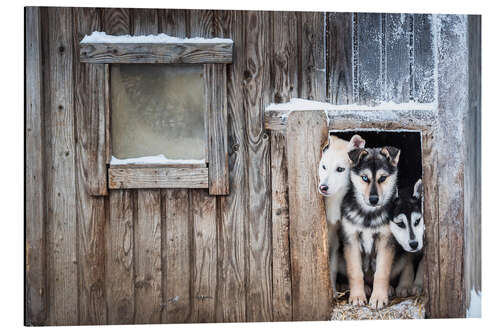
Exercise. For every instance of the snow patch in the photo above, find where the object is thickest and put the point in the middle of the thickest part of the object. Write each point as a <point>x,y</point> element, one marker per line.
<point>102,37</point>
<point>158,159</point>
<point>474,310</point>
<point>298,104</point>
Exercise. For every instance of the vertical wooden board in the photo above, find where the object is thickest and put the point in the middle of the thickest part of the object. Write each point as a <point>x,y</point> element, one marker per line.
<point>147,258</point>
<point>399,56</point>
<point>339,63</point>
<point>255,97</point>
<point>144,21</point>
<point>311,287</point>
<point>232,221</point>
<point>116,21</point>
<point>90,174</point>
<point>35,278</point>
<point>177,256</point>
<point>452,105</point>
<point>62,244</point>
<point>424,59</point>
<point>119,233</point>
<point>312,63</point>
<point>431,208</point>
<point>282,282</point>
<point>201,23</point>
<point>173,22</point>
<point>284,76</point>
<point>369,58</point>
<point>204,272</point>
<point>472,174</point>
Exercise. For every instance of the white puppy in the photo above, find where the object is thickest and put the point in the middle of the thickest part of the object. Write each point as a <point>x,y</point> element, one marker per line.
<point>334,181</point>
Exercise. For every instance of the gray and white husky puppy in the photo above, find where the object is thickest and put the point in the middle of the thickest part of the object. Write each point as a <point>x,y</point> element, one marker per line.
<point>333,171</point>
<point>407,227</point>
<point>365,229</point>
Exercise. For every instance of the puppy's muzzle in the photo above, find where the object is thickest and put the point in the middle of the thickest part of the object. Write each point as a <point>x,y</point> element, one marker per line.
<point>323,189</point>
<point>373,199</point>
<point>414,245</point>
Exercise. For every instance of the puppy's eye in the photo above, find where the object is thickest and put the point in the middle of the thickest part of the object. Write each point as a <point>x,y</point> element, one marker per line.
<point>324,167</point>
<point>417,222</point>
<point>340,169</point>
<point>401,225</point>
<point>382,179</point>
<point>365,179</point>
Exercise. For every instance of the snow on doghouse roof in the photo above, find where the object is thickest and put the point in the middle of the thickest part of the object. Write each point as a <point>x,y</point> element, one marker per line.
<point>102,37</point>
<point>298,104</point>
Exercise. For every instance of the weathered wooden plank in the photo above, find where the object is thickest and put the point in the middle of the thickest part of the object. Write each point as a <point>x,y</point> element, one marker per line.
<point>472,173</point>
<point>35,278</point>
<point>147,258</point>
<point>311,287</point>
<point>143,21</point>
<point>172,22</point>
<point>127,178</point>
<point>107,113</point>
<point>312,66</point>
<point>119,231</point>
<point>177,257</point>
<point>339,62</point>
<point>424,60</point>
<point>116,21</point>
<point>60,186</point>
<point>282,280</point>
<point>230,294</point>
<point>452,105</point>
<point>216,118</point>
<point>256,96</point>
<point>204,269</point>
<point>284,76</point>
<point>165,53</point>
<point>370,66</point>
<point>399,51</point>
<point>90,175</point>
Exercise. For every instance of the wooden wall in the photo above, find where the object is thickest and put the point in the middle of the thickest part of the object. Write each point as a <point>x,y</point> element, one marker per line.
<point>165,256</point>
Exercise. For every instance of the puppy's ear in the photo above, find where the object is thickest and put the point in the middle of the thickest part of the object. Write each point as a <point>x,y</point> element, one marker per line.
<point>356,142</point>
<point>392,154</point>
<point>356,155</point>
<point>417,189</point>
<point>327,144</point>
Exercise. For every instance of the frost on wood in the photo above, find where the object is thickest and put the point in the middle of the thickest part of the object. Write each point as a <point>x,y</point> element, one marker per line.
<point>102,37</point>
<point>298,104</point>
<point>158,159</point>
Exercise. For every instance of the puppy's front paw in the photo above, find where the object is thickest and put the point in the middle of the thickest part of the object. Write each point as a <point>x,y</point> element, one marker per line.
<point>403,291</point>
<point>357,297</point>
<point>390,291</point>
<point>417,290</point>
<point>379,299</point>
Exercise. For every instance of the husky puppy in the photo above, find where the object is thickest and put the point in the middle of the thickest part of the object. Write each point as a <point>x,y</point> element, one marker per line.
<point>365,229</point>
<point>333,171</point>
<point>407,227</point>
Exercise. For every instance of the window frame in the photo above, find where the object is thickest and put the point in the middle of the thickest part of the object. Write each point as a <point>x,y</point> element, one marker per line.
<point>214,174</point>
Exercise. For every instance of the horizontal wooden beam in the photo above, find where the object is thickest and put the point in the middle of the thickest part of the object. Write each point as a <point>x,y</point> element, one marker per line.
<point>165,177</point>
<point>157,53</point>
<point>361,119</point>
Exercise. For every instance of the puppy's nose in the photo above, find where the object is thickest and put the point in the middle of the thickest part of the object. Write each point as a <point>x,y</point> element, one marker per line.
<point>413,244</point>
<point>323,188</point>
<point>373,199</point>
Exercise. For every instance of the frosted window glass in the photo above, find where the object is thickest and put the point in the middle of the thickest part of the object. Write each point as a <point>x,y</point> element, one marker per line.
<point>157,109</point>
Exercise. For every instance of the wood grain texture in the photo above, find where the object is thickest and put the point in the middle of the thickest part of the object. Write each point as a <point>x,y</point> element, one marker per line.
<point>147,258</point>
<point>173,22</point>
<point>282,280</point>
<point>177,257</point>
<point>116,21</point>
<point>312,66</point>
<point>35,273</point>
<point>204,265</point>
<point>255,98</point>
<point>143,21</point>
<point>311,287</point>
<point>120,281</point>
<point>148,53</point>
<point>62,257</point>
<point>90,175</point>
<point>339,62</point>
<point>284,76</point>
<point>232,223</point>
<point>424,59</point>
<point>128,178</point>
<point>472,176</point>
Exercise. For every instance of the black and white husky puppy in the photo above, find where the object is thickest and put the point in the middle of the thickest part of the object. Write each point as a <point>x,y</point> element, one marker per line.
<point>407,227</point>
<point>365,229</point>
